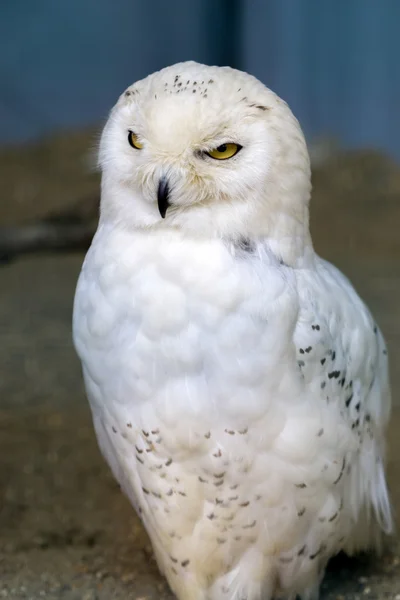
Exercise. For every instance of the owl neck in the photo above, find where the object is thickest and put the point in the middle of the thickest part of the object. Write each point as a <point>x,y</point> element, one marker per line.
<point>280,220</point>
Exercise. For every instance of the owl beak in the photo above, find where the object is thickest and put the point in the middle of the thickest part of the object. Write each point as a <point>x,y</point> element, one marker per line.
<point>162,196</point>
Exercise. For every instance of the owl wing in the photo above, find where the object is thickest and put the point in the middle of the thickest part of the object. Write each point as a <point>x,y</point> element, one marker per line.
<point>342,358</point>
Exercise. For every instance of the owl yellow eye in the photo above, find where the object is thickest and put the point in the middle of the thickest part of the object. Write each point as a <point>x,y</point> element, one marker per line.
<point>134,142</point>
<point>224,151</point>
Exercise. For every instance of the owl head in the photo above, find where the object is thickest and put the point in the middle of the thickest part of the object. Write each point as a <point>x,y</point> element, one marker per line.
<point>209,150</point>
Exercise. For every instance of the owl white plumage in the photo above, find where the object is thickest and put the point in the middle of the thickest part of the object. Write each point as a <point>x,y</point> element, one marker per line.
<point>238,385</point>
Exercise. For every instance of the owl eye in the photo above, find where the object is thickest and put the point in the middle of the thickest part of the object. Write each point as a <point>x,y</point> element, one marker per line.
<point>134,141</point>
<point>224,151</point>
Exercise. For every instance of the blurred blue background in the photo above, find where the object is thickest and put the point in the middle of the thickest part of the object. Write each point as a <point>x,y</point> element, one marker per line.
<point>63,63</point>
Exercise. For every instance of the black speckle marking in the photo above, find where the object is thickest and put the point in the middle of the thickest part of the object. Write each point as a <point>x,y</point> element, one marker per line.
<point>348,400</point>
<point>211,81</point>
<point>243,431</point>
<point>243,504</point>
<point>218,501</point>
<point>308,349</point>
<point>218,483</point>
<point>233,498</point>
<point>218,453</point>
<point>221,540</point>
<point>333,374</point>
<point>301,363</point>
<point>368,418</point>
<point>219,475</point>
<point>169,461</point>
<point>320,432</point>
<point>301,351</point>
<point>301,485</point>
<point>230,431</point>
<point>355,424</point>
<point>127,93</point>
<point>170,492</point>
<point>318,552</point>
<point>342,381</point>
<point>341,472</point>
<point>333,517</point>
<point>113,428</point>
<point>250,526</point>
<point>155,431</point>
<point>333,355</point>
<point>323,360</point>
<point>207,435</point>
<point>375,329</point>
<point>174,560</point>
<point>245,245</point>
<point>202,480</point>
<point>193,91</point>
<point>323,384</point>
<point>211,516</point>
<point>301,512</point>
<point>194,82</point>
<point>301,551</point>
<point>357,407</point>
<point>185,563</point>
<point>146,491</point>
<point>129,425</point>
<point>315,327</point>
<point>176,78</point>
<point>182,494</point>
<point>156,495</point>
<point>139,459</point>
<point>384,351</point>
<point>145,433</point>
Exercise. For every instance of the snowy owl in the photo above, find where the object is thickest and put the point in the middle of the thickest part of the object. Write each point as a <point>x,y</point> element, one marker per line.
<point>238,385</point>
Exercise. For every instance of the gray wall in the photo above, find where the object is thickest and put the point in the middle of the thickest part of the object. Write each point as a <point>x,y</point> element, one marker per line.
<point>64,62</point>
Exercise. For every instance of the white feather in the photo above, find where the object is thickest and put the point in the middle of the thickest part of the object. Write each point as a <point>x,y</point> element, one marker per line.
<point>240,394</point>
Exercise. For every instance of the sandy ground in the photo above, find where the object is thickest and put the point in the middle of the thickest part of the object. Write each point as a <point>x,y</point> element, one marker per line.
<point>66,531</point>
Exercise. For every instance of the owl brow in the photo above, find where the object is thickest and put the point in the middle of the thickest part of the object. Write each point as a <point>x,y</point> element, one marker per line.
<point>221,136</point>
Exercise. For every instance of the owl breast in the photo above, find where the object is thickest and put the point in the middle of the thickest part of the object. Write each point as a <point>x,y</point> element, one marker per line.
<point>182,325</point>
<point>198,403</point>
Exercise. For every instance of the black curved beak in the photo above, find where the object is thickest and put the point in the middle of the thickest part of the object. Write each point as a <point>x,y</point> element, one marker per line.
<point>162,196</point>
